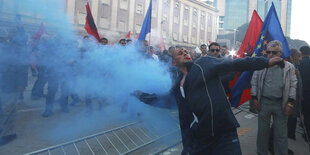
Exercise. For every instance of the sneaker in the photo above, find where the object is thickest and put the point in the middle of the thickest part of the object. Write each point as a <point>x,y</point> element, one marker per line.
<point>6,139</point>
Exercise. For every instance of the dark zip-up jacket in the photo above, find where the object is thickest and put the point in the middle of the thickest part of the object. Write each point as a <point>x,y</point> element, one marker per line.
<point>206,100</point>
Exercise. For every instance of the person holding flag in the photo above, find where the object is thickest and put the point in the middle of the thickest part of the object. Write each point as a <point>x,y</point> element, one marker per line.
<point>279,101</point>
<point>274,93</point>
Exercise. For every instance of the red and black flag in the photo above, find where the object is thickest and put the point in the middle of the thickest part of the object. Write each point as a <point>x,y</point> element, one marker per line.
<point>90,25</point>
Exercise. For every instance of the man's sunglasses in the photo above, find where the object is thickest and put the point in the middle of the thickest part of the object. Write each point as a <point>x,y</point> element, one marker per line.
<point>273,52</point>
<point>215,50</point>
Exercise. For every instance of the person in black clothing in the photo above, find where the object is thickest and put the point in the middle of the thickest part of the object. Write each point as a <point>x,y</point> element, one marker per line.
<point>305,77</point>
<point>207,123</point>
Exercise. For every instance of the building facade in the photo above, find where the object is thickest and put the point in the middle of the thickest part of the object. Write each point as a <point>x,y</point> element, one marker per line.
<point>235,13</point>
<point>178,22</point>
<point>239,12</point>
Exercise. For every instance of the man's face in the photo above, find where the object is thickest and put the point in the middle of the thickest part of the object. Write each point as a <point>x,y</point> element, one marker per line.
<point>203,49</point>
<point>225,51</point>
<point>273,52</point>
<point>214,51</point>
<point>123,42</point>
<point>104,42</point>
<point>180,56</point>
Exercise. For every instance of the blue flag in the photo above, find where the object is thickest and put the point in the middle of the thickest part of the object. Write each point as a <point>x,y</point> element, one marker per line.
<point>271,30</point>
<point>146,27</point>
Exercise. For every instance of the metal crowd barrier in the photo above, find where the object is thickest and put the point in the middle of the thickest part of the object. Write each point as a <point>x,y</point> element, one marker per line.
<point>125,139</point>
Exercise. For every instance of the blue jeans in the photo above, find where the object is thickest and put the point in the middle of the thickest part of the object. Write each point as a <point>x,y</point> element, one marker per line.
<point>226,143</point>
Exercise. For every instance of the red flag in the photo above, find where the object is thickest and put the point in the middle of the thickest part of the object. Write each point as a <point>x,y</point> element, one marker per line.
<point>128,35</point>
<point>251,36</point>
<point>40,32</point>
<point>247,47</point>
<point>90,25</point>
<point>137,36</point>
<point>36,37</point>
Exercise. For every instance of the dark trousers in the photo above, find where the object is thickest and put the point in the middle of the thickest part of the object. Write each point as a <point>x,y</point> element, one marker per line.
<point>291,127</point>
<point>306,111</point>
<point>226,143</point>
<point>37,89</point>
<point>66,92</point>
<point>52,80</point>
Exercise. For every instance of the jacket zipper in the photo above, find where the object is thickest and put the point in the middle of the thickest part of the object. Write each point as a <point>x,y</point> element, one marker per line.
<point>211,104</point>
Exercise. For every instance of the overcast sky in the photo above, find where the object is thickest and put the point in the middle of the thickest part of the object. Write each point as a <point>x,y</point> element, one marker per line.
<point>300,23</point>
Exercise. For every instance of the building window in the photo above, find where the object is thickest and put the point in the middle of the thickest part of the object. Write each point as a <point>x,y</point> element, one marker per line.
<point>165,18</point>
<point>186,8</point>
<point>193,40</point>
<point>122,26</point>
<point>166,2</point>
<point>175,36</point>
<point>202,27</point>
<point>104,22</point>
<point>185,22</point>
<point>209,20</point>
<point>195,12</point>
<point>164,34</point>
<point>184,38</point>
<point>106,2</point>
<point>138,28</point>
<point>176,5</point>
<point>221,25</point>
<point>176,19</point>
<point>203,14</point>
<point>123,4</point>
<point>81,17</point>
<point>154,13</point>
<point>221,18</point>
<point>139,9</point>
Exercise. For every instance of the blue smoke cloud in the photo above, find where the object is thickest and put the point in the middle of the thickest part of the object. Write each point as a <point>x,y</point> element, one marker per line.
<point>109,72</point>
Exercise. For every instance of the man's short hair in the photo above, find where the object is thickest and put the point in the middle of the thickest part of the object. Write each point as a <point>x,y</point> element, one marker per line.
<point>215,44</point>
<point>305,50</point>
<point>203,45</point>
<point>122,40</point>
<point>102,39</point>
<point>171,48</point>
<point>275,43</point>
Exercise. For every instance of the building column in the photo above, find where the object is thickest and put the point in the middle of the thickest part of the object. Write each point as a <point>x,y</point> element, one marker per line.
<point>190,25</point>
<point>132,12</point>
<point>94,8</point>
<point>71,10</point>
<point>114,11</point>
<point>283,15</point>
<point>206,27</point>
<point>198,27</point>
<point>171,20</point>
<point>181,22</point>
<point>159,17</point>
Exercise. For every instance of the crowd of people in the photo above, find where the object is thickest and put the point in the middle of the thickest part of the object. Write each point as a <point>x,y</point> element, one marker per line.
<point>280,89</point>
